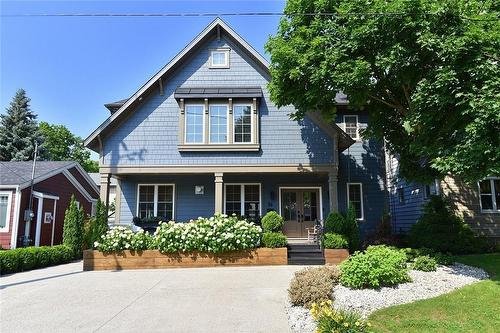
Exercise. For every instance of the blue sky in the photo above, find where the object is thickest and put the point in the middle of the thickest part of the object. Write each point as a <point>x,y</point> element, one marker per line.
<point>71,66</point>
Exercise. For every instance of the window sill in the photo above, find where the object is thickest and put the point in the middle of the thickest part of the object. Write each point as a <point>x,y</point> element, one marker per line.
<point>219,147</point>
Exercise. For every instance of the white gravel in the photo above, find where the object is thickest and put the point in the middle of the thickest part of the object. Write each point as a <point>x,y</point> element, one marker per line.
<point>365,301</point>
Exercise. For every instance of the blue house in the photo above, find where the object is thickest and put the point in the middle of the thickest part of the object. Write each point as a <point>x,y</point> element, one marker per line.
<point>203,136</point>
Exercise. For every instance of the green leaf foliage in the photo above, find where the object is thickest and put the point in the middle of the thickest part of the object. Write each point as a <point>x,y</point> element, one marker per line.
<point>424,264</point>
<point>23,259</point>
<point>73,228</point>
<point>334,241</point>
<point>272,222</point>
<point>441,230</point>
<point>96,226</point>
<point>378,266</point>
<point>336,223</point>
<point>426,70</point>
<point>18,130</point>
<point>59,144</point>
<point>274,239</point>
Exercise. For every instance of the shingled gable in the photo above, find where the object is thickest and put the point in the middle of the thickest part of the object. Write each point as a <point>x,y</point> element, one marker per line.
<point>216,28</point>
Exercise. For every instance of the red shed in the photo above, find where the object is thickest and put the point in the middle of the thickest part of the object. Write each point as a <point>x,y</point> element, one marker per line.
<point>54,184</point>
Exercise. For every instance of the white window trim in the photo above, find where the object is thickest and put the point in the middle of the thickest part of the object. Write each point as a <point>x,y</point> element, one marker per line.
<point>242,196</point>
<point>357,138</point>
<point>186,124</point>
<point>251,124</point>
<point>155,198</point>
<point>361,197</point>
<point>227,53</point>
<point>320,188</point>
<point>493,194</point>
<point>9,209</point>
<point>210,125</point>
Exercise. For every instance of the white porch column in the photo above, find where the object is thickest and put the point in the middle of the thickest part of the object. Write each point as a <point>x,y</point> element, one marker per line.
<point>219,207</point>
<point>333,190</point>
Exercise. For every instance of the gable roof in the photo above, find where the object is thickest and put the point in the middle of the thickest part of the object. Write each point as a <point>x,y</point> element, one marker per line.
<point>216,27</point>
<point>18,173</point>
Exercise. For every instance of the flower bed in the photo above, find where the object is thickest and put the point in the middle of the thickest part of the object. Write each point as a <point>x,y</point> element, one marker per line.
<point>205,242</point>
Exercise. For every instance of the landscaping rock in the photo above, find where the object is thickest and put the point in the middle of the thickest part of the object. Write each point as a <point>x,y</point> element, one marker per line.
<point>424,285</point>
<point>299,319</point>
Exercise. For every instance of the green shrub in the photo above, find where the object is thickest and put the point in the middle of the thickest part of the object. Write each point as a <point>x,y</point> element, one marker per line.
<point>441,230</point>
<point>96,225</point>
<point>312,285</point>
<point>440,258</point>
<point>274,239</point>
<point>9,261</point>
<point>335,223</point>
<point>272,222</point>
<point>340,321</point>
<point>424,264</point>
<point>73,228</point>
<point>378,266</point>
<point>334,241</point>
<point>352,230</point>
<point>23,259</point>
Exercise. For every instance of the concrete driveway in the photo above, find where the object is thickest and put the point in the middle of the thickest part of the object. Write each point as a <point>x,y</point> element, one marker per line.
<point>222,299</point>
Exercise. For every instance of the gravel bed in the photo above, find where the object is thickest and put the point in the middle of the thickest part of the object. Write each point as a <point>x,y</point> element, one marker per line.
<point>365,301</point>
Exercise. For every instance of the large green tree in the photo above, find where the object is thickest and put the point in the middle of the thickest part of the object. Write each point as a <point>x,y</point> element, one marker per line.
<point>59,144</point>
<point>18,130</point>
<point>428,71</point>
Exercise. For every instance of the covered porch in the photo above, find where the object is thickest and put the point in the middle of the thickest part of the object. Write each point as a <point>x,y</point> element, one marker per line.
<point>302,195</point>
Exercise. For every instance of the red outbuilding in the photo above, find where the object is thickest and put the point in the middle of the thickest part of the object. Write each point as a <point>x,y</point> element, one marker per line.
<point>53,185</point>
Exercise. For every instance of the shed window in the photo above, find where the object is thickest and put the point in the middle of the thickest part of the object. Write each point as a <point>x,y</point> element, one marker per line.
<point>4,207</point>
<point>156,201</point>
<point>351,126</point>
<point>355,198</point>
<point>243,123</point>
<point>194,123</point>
<point>489,192</point>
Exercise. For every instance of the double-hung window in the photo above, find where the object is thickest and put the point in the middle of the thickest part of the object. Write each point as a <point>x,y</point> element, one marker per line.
<point>355,198</point>
<point>156,201</point>
<point>489,192</point>
<point>218,123</point>
<point>4,211</point>
<point>243,200</point>
<point>242,123</point>
<point>351,126</point>
<point>194,124</point>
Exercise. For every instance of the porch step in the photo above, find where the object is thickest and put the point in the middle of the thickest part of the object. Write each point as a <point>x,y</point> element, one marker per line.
<point>305,254</point>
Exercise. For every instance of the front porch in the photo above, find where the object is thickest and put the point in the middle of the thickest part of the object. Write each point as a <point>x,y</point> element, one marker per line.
<point>302,198</point>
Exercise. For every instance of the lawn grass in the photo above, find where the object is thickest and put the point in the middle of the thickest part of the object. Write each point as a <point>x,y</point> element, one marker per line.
<point>474,308</point>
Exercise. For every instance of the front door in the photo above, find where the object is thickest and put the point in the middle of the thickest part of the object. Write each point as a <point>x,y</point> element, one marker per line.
<point>300,210</point>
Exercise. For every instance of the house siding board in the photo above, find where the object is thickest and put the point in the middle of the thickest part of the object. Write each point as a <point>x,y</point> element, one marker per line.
<point>149,136</point>
<point>5,237</point>
<point>363,162</point>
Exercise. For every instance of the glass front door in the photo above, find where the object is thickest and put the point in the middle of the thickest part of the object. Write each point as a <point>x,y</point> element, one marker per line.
<point>300,210</point>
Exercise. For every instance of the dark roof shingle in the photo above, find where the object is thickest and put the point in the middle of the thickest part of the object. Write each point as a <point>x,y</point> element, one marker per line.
<point>17,173</point>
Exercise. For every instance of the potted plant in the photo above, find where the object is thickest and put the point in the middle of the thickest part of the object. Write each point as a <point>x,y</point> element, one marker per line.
<point>335,248</point>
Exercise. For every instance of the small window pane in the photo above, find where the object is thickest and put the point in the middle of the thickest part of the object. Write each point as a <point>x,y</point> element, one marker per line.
<point>194,124</point>
<point>146,201</point>
<point>252,201</point>
<point>3,210</point>
<point>351,126</point>
<point>486,201</point>
<point>486,193</point>
<point>219,58</point>
<point>485,186</point>
<point>233,199</point>
<point>242,123</point>
<point>355,199</point>
<point>218,124</point>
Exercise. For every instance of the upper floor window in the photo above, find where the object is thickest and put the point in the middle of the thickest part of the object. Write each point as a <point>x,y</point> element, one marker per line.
<point>219,58</point>
<point>429,190</point>
<point>218,123</point>
<point>194,124</point>
<point>351,126</point>
<point>355,198</point>
<point>489,192</point>
<point>242,123</point>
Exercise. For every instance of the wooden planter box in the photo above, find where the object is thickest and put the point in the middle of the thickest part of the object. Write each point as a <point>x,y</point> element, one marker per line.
<point>335,256</point>
<point>96,260</point>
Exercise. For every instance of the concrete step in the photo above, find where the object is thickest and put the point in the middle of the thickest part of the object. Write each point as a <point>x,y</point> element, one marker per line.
<point>317,250</point>
<point>306,261</point>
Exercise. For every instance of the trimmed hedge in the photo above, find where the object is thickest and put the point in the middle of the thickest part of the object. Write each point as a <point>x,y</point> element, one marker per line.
<point>274,239</point>
<point>334,241</point>
<point>27,258</point>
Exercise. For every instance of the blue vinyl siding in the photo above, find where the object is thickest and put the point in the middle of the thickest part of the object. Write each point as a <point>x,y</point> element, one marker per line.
<point>363,163</point>
<point>149,136</point>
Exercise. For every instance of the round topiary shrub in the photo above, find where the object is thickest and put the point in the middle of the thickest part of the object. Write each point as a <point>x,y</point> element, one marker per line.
<point>424,264</point>
<point>272,222</point>
<point>378,266</point>
<point>336,223</point>
<point>274,239</point>
<point>334,241</point>
<point>313,285</point>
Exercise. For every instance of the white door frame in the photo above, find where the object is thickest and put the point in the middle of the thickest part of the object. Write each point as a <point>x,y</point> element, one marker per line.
<point>320,188</point>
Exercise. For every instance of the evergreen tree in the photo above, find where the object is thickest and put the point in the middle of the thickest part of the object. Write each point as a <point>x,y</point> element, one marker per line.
<point>18,130</point>
<point>73,228</point>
